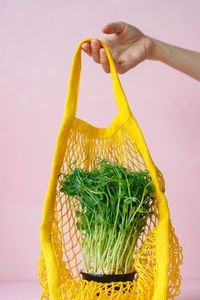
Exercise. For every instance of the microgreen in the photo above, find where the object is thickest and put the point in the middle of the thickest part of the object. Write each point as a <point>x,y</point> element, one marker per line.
<point>113,206</point>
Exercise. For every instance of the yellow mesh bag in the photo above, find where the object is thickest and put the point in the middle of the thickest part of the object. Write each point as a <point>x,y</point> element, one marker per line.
<point>157,262</point>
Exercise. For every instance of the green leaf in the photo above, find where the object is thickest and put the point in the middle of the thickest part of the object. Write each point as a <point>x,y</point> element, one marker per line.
<point>99,219</point>
<point>134,199</point>
<point>78,213</point>
<point>79,226</point>
<point>132,211</point>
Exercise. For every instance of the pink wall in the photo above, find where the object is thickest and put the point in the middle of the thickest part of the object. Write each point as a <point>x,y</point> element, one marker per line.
<point>38,39</point>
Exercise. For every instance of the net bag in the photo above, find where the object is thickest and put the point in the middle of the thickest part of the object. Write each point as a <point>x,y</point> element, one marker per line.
<point>157,262</point>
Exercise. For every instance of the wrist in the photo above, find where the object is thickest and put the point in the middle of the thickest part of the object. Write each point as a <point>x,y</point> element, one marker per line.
<point>156,49</point>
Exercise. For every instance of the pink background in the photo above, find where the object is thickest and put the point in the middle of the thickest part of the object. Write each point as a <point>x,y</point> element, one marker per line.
<point>38,40</point>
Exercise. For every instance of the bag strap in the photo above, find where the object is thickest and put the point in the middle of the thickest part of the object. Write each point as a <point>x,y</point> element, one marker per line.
<point>73,89</point>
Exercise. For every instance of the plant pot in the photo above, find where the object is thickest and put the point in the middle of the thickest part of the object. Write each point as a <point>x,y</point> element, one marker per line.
<point>109,278</point>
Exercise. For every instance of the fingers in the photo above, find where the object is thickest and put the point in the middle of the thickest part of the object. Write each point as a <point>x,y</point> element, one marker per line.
<point>92,49</point>
<point>98,53</point>
<point>86,48</point>
<point>116,27</point>
<point>95,49</point>
<point>104,60</point>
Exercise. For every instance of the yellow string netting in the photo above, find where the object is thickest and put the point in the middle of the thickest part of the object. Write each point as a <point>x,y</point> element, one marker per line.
<point>158,256</point>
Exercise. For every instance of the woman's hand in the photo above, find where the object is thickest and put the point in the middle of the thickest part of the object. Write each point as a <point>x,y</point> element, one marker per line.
<point>127,44</point>
<point>129,47</point>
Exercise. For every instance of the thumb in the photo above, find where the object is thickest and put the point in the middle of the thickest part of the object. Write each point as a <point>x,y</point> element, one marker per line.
<point>116,27</point>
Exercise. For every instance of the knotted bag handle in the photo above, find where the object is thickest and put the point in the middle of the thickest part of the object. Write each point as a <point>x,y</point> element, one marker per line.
<point>73,88</point>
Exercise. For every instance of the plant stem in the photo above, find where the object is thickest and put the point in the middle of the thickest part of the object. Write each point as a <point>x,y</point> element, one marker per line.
<point>126,269</point>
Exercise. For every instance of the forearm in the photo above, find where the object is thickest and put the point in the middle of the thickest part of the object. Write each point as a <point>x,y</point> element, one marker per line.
<point>184,60</point>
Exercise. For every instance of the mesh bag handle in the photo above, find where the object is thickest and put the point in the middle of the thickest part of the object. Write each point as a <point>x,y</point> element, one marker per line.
<point>73,87</point>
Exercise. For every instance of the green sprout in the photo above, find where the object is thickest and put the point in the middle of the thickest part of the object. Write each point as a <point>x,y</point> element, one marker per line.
<point>112,208</point>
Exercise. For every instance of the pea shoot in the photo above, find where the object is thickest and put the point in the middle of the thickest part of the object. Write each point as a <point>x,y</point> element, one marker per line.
<point>112,208</point>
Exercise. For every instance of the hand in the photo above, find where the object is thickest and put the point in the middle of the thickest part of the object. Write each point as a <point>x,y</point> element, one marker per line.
<point>127,44</point>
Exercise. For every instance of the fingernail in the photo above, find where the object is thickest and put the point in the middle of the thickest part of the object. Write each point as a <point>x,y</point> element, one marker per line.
<point>95,44</point>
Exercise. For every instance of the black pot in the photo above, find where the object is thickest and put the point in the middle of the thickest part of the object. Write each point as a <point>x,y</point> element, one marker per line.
<point>109,278</point>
